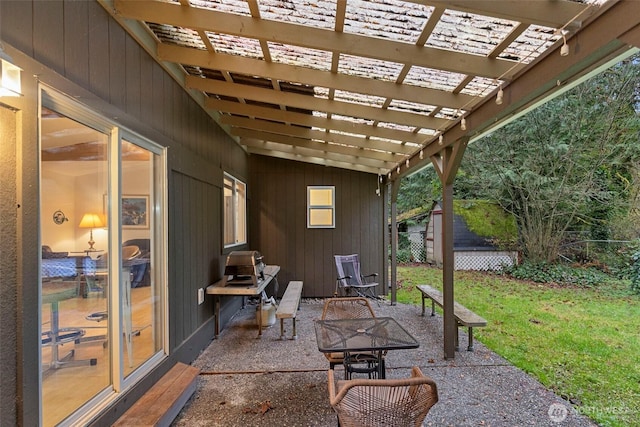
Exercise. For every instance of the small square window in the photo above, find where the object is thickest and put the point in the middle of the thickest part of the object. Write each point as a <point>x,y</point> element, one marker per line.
<point>321,211</point>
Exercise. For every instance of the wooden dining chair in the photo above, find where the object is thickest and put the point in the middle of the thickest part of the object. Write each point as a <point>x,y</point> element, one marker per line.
<point>350,308</point>
<point>383,402</point>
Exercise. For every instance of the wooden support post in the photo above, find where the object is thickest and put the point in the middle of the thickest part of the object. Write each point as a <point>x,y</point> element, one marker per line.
<point>446,162</point>
<point>395,188</point>
<point>450,327</point>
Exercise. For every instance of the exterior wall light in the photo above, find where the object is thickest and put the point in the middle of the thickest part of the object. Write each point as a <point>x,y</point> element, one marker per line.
<point>564,50</point>
<point>500,96</point>
<point>10,84</point>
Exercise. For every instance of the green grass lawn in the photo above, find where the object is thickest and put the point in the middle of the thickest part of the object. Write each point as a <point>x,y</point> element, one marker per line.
<point>584,344</point>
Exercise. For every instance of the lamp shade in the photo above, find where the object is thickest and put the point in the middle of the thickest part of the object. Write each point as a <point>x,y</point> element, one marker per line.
<point>91,220</point>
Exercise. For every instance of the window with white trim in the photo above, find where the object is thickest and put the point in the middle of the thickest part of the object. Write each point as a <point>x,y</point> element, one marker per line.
<point>235,211</point>
<point>321,212</point>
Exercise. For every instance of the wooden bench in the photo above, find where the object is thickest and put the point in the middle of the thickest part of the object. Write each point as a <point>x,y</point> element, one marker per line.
<point>464,316</point>
<point>289,306</point>
<point>162,403</point>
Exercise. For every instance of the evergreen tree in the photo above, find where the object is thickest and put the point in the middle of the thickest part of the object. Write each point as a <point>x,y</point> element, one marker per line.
<point>566,166</point>
<point>572,164</point>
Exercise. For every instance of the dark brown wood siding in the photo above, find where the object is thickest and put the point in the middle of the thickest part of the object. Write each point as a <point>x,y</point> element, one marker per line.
<point>278,222</point>
<point>196,213</point>
<point>75,47</point>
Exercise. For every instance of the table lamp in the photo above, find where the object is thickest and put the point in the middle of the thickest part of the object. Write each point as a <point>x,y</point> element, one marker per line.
<point>91,221</point>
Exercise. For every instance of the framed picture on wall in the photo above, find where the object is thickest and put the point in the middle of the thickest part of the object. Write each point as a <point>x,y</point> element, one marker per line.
<point>135,210</point>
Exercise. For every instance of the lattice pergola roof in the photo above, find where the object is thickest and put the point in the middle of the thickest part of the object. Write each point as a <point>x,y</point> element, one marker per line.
<point>365,85</point>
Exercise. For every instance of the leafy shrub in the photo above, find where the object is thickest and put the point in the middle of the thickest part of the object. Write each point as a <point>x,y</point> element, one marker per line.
<point>403,241</point>
<point>635,271</point>
<point>404,256</point>
<point>612,257</point>
<point>618,262</point>
<point>558,274</point>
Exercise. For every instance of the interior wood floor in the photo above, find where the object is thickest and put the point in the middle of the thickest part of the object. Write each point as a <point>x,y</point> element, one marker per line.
<point>65,389</point>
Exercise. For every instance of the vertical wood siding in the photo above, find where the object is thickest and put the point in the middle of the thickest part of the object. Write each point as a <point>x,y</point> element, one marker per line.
<point>278,222</point>
<point>87,55</point>
<point>80,42</point>
<point>195,213</point>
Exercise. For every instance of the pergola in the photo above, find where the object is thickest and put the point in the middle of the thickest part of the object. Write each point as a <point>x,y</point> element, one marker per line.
<point>385,86</point>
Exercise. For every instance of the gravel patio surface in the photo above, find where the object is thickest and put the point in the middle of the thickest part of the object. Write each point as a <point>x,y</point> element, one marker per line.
<point>246,381</point>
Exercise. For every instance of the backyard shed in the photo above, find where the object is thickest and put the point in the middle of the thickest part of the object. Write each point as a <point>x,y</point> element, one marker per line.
<point>482,232</point>
<point>412,226</point>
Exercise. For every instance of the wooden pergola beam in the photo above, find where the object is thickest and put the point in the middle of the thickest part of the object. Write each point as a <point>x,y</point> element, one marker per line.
<point>601,41</point>
<point>313,103</point>
<point>346,156</point>
<point>386,149</point>
<point>314,38</point>
<point>308,76</point>
<point>311,121</point>
<point>315,160</point>
<point>554,15</point>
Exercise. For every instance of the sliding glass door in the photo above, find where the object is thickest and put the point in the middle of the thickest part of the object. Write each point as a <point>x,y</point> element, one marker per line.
<point>75,356</point>
<point>102,287</point>
<point>142,296</point>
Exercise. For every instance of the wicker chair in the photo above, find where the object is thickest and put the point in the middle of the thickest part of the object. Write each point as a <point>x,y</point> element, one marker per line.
<point>350,308</point>
<point>347,308</point>
<point>388,402</point>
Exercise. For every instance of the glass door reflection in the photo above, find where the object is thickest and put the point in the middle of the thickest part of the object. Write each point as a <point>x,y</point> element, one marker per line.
<point>75,358</point>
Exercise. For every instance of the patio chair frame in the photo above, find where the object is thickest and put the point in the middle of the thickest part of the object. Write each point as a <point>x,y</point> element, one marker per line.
<point>351,281</point>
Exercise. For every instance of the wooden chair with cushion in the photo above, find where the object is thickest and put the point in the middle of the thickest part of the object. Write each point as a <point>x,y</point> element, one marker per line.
<point>349,308</point>
<point>383,402</point>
